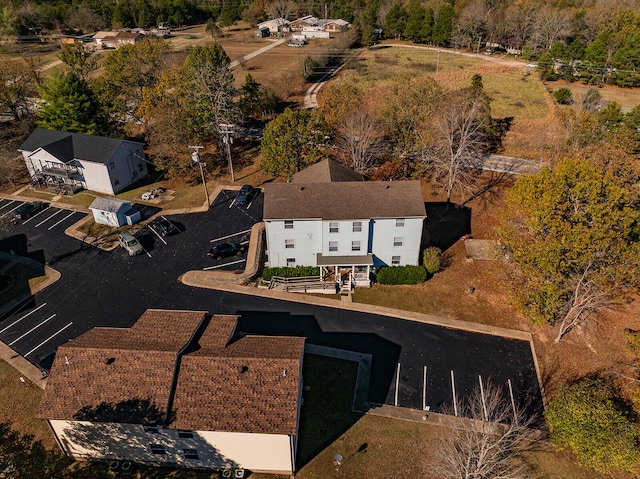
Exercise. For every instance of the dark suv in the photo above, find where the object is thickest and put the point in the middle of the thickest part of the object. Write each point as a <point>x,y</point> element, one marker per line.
<point>29,209</point>
<point>225,250</point>
<point>245,195</point>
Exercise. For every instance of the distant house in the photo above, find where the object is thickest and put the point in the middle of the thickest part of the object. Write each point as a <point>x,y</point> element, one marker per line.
<point>310,23</point>
<point>275,26</point>
<point>332,219</point>
<point>73,161</point>
<point>179,388</point>
<point>335,26</point>
<point>117,39</point>
<point>261,33</point>
<point>114,212</point>
<point>302,22</point>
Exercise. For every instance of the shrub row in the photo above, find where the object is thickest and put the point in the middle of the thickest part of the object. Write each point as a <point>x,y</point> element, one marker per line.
<point>402,275</point>
<point>294,272</point>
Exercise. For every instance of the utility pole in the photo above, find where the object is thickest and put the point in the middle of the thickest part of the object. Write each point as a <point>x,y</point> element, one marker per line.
<point>226,129</point>
<point>195,156</point>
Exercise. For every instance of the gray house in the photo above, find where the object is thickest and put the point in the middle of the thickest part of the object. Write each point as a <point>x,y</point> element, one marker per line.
<point>68,162</point>
<point>114,212</point>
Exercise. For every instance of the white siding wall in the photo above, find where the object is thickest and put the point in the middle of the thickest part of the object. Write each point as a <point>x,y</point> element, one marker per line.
<point>344,237</point>
<point>96,177</point>
<point>126,165</point>
<point>307,241</point>
<point>384,233</point>
<point>216,450</point>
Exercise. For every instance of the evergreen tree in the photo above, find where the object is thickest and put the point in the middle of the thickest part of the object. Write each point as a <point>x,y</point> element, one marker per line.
<point>416,16</point>
<point>395,21</point>
<point>70,105</point>
<point>443,25</point>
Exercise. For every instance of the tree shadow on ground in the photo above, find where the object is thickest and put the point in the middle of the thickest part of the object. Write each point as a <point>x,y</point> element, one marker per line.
<point>446,223</point>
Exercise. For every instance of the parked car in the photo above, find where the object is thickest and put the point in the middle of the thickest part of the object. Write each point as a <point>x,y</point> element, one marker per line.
<point>148,195</point>
<point>245,195</point>
<point>164,227</point>
<point>225,250</point>
<point>29,209</point>
<point>130,243</point>
<point>294,44</point>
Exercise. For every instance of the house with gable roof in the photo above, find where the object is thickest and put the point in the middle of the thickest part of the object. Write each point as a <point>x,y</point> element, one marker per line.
<point>179,388</point>
<point>329,217</point>
<point>70,162</point>
<point>114,212</point>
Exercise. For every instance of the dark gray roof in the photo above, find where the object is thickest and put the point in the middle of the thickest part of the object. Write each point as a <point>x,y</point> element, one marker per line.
<point>326,171</point>
<point>72,145</point>
<point>347,200</point>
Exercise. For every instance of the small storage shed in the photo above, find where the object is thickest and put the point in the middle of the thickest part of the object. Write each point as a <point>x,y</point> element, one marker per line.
<point>114,212</point>
<point>262,33</point>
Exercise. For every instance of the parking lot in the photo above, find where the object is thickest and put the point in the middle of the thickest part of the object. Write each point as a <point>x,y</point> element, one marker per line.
<point>103,288</point>
<point>414,365</point>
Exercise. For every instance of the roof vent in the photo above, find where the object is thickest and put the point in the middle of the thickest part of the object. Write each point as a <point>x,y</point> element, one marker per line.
<point>386,187</point>
<point>301,188</point>
<point>243,369</point>
<point>109,360</point>
<point>284,373</point>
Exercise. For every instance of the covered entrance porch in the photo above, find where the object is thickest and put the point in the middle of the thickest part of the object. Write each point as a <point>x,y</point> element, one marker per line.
<point>347,271</point>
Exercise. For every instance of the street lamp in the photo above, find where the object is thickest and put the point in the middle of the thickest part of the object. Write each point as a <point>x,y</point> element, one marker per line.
<point>195,156</point>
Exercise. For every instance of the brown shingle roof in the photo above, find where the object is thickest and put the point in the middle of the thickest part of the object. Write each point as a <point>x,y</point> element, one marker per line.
<point>326,171</point>
<point>223,383</point>
<point>343,200</point>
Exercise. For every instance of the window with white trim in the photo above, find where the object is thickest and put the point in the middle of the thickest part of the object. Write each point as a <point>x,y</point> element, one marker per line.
<point>333,227</point>
<point>399,222</point>
<point>357,226</point>
<point>288,224</point>
<point>398,241</point>
<point>355,246</point>
<point>289,243</point>
<point>395,260</point>
<point>291,262</point>
<point>333,246</point>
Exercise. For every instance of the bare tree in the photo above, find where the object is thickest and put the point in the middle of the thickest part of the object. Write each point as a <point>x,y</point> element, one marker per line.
<point>358,140</point>
<point>281,10</point>
<point>492,444</point>
<point>459,139</point>
<point>520,22</point>
<point>17,87</point>
<point>551,25</point>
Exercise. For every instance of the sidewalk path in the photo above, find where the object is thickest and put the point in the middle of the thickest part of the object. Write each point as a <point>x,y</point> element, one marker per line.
<point>234,64</point>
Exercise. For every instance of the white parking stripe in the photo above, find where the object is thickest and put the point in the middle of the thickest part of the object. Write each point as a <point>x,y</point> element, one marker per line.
<point>31,330</point>
<point>49,338</point>
<point>3,207</point>
<point>68,216</point>
<point>228,236</point>
<point>453,392</point>
<point>397,384</point>
<point>49,217</point>
<point>18,320</point>
<point>36,215</point>
<point>222,265</point>
<point>513,403</point>
<point>484,404</point>
<point>12,210</point>
<point>424,390</point>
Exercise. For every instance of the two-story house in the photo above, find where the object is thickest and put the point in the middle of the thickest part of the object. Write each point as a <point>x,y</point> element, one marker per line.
<point>178,388</point>
<point>345,227</point>
<point>73,161</point>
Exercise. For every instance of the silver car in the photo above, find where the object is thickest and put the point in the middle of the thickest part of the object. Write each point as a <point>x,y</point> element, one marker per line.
<point>130,243</point>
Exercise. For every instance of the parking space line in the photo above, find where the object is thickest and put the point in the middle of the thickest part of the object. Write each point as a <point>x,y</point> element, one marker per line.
<point>171,223</point>
<point>18,320</point>
<point>56,224</point>
<point>453,392</point>
<point>49,217</point>
<point>484,404</point>
<point>157,234</point>
<point>31,330</point>
<point>229,236</point>
<point>397,384</point>
<point>424,390</point>
<point>10,201</point>
<point>11,210</point>
<point>232,203</point>
<point>222,265</point>
<point>513,403</point>
<point>46,340</point>
<point>36,215</point>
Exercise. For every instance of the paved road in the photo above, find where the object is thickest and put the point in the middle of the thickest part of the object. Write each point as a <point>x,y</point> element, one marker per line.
<point>413,364</point>
<point>511,165</point>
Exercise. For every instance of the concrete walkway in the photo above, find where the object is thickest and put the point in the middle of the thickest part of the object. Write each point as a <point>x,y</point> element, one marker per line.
<point>234,64</point>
